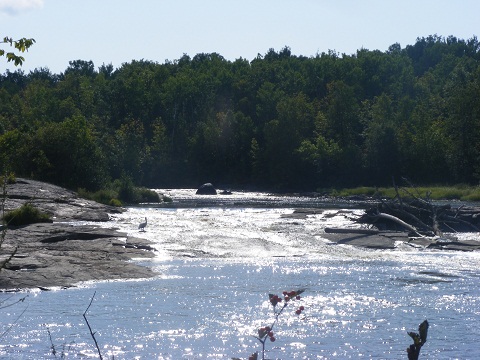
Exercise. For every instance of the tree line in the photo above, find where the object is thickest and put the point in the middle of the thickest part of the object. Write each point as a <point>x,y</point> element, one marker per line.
<point>278,122</point>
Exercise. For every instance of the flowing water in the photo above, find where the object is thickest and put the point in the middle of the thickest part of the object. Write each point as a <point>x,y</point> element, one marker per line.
<point>218,259</point>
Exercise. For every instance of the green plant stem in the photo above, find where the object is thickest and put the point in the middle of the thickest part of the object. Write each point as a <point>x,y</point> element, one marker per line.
<point>264,339</point>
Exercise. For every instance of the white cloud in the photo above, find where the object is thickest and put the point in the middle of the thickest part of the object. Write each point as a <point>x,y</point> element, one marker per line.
<point>15,6</point>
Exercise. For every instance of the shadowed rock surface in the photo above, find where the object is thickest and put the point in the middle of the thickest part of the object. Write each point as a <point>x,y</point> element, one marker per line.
<point>60,254</point>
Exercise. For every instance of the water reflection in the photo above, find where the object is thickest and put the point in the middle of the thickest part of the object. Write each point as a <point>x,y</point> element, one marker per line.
<point>216,266</point>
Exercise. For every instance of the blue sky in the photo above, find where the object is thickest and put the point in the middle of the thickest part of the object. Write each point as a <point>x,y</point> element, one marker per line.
<point>119,31</point>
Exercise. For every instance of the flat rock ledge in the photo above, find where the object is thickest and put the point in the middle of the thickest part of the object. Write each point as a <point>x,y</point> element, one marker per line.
<point>62,253</point>
<point>384,239</point>
<point>389,240</point>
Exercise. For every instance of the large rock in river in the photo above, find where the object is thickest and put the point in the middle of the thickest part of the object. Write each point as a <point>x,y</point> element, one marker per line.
<point>206,189</point>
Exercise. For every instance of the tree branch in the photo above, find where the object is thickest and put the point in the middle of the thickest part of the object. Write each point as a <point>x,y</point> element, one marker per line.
<point>92,334</point>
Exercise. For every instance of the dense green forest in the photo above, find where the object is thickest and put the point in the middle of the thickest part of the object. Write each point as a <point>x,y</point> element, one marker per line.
<point>278,122</point>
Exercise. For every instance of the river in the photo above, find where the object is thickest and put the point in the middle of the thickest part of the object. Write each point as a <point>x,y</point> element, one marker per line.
<point>218,258</point>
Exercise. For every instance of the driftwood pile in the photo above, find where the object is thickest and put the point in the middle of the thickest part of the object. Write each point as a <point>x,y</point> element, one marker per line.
<point>421,217</point>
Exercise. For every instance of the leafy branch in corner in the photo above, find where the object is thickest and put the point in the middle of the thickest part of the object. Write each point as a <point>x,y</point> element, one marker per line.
<point>21,45</point>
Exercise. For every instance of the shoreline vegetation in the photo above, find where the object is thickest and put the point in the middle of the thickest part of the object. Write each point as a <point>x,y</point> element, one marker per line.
<point>280,122</point>
<point>436,192</point>
<point>123,192</point>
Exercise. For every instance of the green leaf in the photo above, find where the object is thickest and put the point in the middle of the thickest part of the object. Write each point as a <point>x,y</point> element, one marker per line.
<point>23,44</point>
<point>17,60</point>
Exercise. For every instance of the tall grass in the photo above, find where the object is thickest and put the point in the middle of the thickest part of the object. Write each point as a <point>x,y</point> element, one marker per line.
<point>104,196</point>
<point>459,192</point>
<point>121,192</point>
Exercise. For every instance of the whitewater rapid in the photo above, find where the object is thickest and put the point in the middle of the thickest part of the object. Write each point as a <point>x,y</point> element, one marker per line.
<point>217,260</point>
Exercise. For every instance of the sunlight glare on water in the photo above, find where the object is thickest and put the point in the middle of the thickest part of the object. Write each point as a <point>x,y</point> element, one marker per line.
<point>219,258</point>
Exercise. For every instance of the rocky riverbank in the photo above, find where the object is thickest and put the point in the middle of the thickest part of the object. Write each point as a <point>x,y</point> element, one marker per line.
<point>65,252</point>
<point>372,238</point>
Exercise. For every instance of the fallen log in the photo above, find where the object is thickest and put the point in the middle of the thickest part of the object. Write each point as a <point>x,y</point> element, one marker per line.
<point>399,222</point>
<point>408,212</point>
<point>421,215</point>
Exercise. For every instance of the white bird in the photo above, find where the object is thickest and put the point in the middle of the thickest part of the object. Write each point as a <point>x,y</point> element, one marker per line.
<point>142,225</point>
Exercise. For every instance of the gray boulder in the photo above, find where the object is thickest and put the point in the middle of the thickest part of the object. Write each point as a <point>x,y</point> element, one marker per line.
<point>206,189</point>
